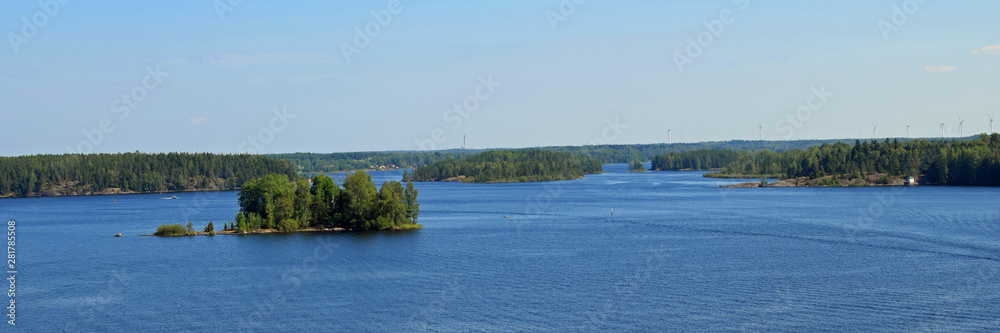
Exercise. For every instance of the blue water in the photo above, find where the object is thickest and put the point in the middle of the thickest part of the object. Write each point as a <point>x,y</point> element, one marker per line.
<point>677,254</point>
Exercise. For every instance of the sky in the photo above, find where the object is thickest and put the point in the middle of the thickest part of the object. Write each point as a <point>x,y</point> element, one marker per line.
<point>256,76</point>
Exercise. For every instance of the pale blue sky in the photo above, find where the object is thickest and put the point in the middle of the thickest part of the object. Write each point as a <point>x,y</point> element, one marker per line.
<point>222,78</point>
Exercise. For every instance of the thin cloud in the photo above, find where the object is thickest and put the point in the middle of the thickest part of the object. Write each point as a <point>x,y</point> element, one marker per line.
<point>198,120</point>
<point>939,69</point>
<point>988,50</point>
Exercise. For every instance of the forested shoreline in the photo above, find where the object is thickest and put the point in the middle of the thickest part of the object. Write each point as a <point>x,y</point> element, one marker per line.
<point>94,174</point>
<point>508,166</point>
<point>943,162</point>
<point>605,153</point>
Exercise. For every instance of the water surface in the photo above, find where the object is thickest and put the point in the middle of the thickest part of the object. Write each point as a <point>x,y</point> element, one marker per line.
<point>677,253</point>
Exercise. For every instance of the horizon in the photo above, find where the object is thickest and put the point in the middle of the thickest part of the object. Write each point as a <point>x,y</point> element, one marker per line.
<point>382,76</point>
<point>475,149</point>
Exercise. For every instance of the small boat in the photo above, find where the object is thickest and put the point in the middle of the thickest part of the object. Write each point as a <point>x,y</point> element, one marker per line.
<point>118,235</point>
<point>174,197</point>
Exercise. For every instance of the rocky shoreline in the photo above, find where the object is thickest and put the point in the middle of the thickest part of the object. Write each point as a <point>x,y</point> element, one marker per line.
<point>829,181</point>
<point>271,231</point>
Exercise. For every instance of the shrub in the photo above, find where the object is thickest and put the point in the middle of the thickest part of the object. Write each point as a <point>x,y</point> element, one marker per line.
<point>171,230</point>
<point>288,225</point>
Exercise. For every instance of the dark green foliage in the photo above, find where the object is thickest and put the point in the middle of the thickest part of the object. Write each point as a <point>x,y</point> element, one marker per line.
<point>246,222</point>
<point>510,166</point>
<point>959,162</point>
<point>606,154</point>
<point>410,199</point>
<point>210,227</point>
<point>171,230</point>
<point>271,197</point>
<point>368,160</point>
<point>695,160</point>
<point>323,193</point>
<point>275,202</point>
<point>74,174</point>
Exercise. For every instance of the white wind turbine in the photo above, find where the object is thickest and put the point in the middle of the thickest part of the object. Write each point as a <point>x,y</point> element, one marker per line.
<point>991,124</point>
<point>942,130</point>
<point>761,126</point>
<point>874,131</point>
<point>907,130</point>
<point>961,127</point>
<point>669,136</point>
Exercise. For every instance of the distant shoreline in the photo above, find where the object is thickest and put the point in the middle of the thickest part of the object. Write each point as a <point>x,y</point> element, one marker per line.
<point>116,193</point>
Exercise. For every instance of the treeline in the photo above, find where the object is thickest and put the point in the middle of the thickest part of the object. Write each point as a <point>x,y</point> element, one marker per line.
<point>960,162</point>
<point>606,154</point>
<point>78,174</point>
<point>695,160</point>
<point>337,162</point>
<point>508,166</point>
<point>276,202</point>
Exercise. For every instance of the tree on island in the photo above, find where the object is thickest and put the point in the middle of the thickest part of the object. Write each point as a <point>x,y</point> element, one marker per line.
<point>275,202</point>
<point>636,167</point>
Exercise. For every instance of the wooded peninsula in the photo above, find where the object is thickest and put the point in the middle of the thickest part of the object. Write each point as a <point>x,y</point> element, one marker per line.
<point>939,162</point>
<point>79,174</point>
<point>505,166</point>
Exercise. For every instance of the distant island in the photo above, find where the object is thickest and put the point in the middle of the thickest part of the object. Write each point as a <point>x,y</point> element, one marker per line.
<point>637,167</point>
<point>873,163</point>
<point>507,166</point>
<point>276,203</point>
<point>103,174</point>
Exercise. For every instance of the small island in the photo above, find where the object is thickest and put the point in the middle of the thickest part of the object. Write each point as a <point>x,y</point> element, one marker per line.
<point>887,163</point>
<point>275,203</point>
<point>637,167</point>
<point>508,166</point>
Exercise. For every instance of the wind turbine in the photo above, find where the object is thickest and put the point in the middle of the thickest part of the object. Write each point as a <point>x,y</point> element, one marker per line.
<point>761,131</point>
<point>907,130</point>
<point>991,124</point>
<point>961,127</point>
<point>942,130</point>
<point>874,131</point>
<point>669,137</point>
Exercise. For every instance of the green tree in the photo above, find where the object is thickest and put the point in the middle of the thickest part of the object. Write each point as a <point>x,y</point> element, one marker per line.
<point>410,199</point>
<point>324,193</point>
<point>358,200</point>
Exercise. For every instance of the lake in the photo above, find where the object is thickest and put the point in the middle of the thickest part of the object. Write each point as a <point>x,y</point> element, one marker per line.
<point>657,251</point>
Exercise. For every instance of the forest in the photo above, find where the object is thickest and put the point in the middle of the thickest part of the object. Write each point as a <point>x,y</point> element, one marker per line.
<point>606,154</point>
<point>695,160</point>
<point>279,203</point>
<point>78,174</point>
<point>944,162</point>
<point>508,166</point>
<point>338,162</point>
